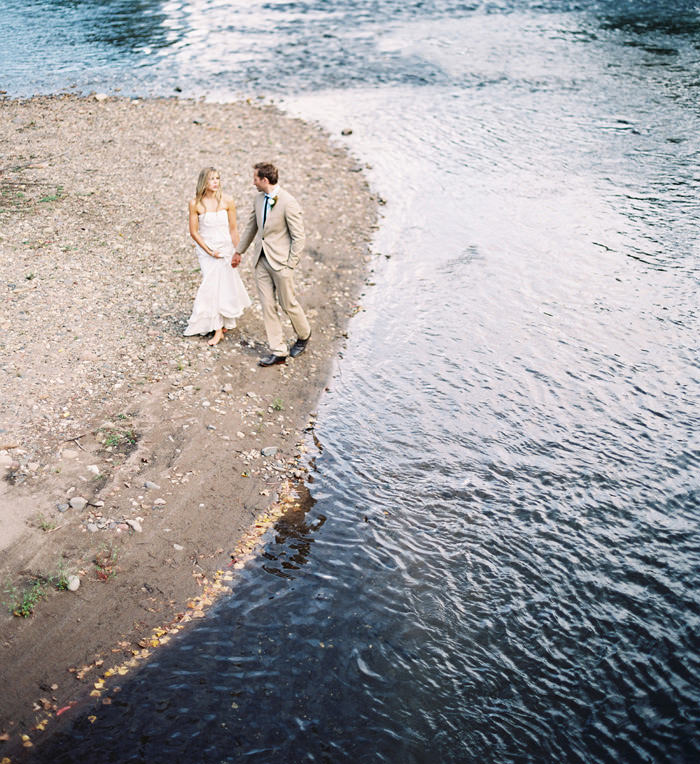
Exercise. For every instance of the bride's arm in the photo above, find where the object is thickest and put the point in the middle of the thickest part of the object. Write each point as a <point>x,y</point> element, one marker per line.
<point>194,231</point>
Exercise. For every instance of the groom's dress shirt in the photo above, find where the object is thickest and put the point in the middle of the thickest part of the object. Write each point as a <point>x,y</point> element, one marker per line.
<point>268,200</point>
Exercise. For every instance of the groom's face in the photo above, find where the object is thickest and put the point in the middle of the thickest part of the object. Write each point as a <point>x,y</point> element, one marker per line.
<point>262,184</point>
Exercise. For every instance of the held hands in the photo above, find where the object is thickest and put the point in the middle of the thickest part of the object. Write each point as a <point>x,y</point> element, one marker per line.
<point>235,260</point>
<point>216,255</point>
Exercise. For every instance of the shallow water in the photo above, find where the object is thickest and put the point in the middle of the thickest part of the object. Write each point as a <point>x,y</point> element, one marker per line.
<point>500,559</point>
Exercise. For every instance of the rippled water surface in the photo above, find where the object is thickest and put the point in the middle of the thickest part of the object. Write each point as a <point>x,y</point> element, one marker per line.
<point>500,557</point>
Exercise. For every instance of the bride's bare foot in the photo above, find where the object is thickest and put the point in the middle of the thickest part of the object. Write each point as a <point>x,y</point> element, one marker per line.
<point>216,339</point>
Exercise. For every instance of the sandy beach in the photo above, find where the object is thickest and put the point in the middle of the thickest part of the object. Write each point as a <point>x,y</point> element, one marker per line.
<point>144,463</point>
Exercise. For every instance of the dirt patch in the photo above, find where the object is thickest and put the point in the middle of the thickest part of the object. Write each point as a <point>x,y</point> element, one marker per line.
<point>131,456</point>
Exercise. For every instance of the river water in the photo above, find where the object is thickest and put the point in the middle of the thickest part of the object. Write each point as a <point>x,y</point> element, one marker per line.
<point>499,560</point>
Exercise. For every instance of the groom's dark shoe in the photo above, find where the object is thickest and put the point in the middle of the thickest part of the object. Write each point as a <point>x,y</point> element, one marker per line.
<point>272,359</point>
<point>299,347</point>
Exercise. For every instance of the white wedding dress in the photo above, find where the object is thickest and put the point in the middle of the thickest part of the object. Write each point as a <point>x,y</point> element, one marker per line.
<point>221,297</point>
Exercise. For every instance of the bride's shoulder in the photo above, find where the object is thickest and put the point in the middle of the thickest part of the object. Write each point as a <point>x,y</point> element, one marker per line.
<point>195,206</point>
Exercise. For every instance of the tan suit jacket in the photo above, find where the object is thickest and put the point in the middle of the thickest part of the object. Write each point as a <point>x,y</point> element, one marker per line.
<point>282,238</point>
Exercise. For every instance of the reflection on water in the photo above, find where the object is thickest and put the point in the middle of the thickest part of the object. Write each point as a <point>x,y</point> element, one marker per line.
<point>156,46</point>
<point>500,559</point>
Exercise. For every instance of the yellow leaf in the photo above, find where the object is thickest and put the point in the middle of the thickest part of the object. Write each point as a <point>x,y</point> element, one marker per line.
<point>95,694</point>
<point>92,719</point>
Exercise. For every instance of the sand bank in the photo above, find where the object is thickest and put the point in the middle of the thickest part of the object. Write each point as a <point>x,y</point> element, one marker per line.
<point>104,400</point>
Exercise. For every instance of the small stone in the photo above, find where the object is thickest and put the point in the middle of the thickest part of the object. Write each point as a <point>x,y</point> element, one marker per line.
<point>33,466</point>
<point>346,131</point>
<point>72,583</point>
<point>151,486</point>
<point>78,502</point>
<point>269,450</point>
<point>210,427</point>
<point>227,388</point>
<point>101,96</point>
<point>62,507</point>
<point>135,524</point>
<point>178,548</point>
<point>94,469</point>
<point>92,527</point>
<point>240,434</point>
<point>159,502</point>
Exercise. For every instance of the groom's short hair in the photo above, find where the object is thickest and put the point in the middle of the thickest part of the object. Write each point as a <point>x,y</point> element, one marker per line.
<point>267,170</point>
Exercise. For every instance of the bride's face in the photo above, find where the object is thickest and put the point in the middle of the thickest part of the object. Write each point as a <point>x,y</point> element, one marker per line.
<point>213,182</point>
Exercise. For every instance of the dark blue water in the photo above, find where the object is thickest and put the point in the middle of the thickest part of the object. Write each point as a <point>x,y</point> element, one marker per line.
<point>500,558</point>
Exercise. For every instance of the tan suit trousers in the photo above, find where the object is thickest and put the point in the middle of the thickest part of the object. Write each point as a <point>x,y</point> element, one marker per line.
<point>271,283</point>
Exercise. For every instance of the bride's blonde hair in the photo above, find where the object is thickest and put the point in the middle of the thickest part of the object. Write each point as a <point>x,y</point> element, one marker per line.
<point>202,181</point>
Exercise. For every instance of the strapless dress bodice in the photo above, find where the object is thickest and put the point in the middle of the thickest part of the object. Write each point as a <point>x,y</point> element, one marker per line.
<point>213,228</point>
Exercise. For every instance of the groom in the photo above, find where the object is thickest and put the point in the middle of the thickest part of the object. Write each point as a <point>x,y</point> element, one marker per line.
<point>278,229</point>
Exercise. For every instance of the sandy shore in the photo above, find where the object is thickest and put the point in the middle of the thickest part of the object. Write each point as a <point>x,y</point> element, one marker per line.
<point>131,455</point>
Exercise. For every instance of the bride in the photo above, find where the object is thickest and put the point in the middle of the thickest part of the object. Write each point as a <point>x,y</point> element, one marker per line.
<point>221,297</point>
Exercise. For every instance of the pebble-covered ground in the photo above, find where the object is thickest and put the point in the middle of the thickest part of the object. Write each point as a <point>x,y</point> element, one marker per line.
<point>97,269</point>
